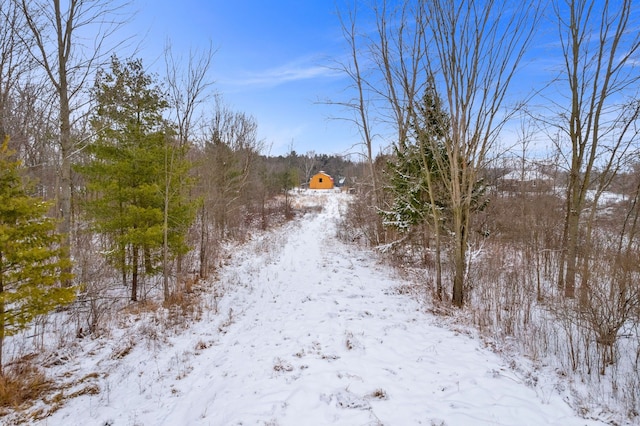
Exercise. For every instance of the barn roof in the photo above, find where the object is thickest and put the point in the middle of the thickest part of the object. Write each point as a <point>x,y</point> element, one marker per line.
<point>527,175</point>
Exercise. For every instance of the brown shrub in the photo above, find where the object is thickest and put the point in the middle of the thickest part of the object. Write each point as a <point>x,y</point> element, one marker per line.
<point>21,384</point>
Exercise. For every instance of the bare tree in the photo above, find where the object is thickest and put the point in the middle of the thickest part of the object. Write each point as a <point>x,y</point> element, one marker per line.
<point>359,105</point>
<point>59,49</point>
<point>599,47</point>
<point>309,162</point>
<point>475,48</point>
<point>398,51</point>
<point>12,60</point>
<point>187,90</point>
<point>189,87</point>
<point>223,171</point>
<point>386,72</point>
<point>26,114</point>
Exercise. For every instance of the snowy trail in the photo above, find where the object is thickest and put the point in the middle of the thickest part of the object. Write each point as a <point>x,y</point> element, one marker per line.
<point>317,336</point>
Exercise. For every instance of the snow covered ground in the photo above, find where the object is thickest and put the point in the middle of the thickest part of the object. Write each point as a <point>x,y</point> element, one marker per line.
<point>310,331</point>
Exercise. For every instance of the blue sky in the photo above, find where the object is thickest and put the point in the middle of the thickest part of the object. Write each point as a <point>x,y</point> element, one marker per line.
<point>272,62</point>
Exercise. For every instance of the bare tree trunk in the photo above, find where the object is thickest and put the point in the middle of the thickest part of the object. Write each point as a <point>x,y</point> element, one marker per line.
<point>123,264</point>
<point>66,147</point>
<point>459,257</point>
<point>204,241</point>
<point>573,230</point>
<point>436,219</point>
<point>2,323</point>
<point>134,273</point>
<point>165,228</point>
<point>438,255</point>
<point>63,34</point>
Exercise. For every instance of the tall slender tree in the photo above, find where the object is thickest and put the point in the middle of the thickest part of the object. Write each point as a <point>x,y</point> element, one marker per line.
<point>55,28</point>
<point>359,105</point>
<point>189,86</point>
<point>475,49</point>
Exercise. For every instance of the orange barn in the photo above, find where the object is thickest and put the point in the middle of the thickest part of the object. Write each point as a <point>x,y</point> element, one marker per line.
<point>321,180</point>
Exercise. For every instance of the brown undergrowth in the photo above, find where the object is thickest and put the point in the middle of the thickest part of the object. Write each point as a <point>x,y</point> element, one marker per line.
<point>21,384</point>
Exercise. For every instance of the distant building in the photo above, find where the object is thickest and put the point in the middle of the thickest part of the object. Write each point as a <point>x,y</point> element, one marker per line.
<point>528,180</point>
<point>321,180</point>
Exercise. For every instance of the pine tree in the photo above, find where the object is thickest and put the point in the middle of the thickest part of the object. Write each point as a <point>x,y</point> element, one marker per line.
<point>422,179</point>
<point>418,176</point>
<point>32,261</point>
<point>417,171</point>
<point>137,176</point>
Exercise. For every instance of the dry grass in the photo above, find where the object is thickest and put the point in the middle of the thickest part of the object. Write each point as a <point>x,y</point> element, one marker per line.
<point>21,385</point>
<point>140,307</point>
<point>180,300</point>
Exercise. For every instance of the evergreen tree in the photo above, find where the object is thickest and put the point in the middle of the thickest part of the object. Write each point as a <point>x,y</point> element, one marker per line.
<point>418,176</point>
<point>418,168</point>
<point>137,175</point>
<point>32,261</point>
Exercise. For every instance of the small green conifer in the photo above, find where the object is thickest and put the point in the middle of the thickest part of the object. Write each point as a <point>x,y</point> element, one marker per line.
<point>32,264</point>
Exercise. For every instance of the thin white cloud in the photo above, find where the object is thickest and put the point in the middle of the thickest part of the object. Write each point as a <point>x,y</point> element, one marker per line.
<point>299,70</point>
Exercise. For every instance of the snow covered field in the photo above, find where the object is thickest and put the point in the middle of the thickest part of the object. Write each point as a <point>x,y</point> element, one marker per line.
<point>310,331</point>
